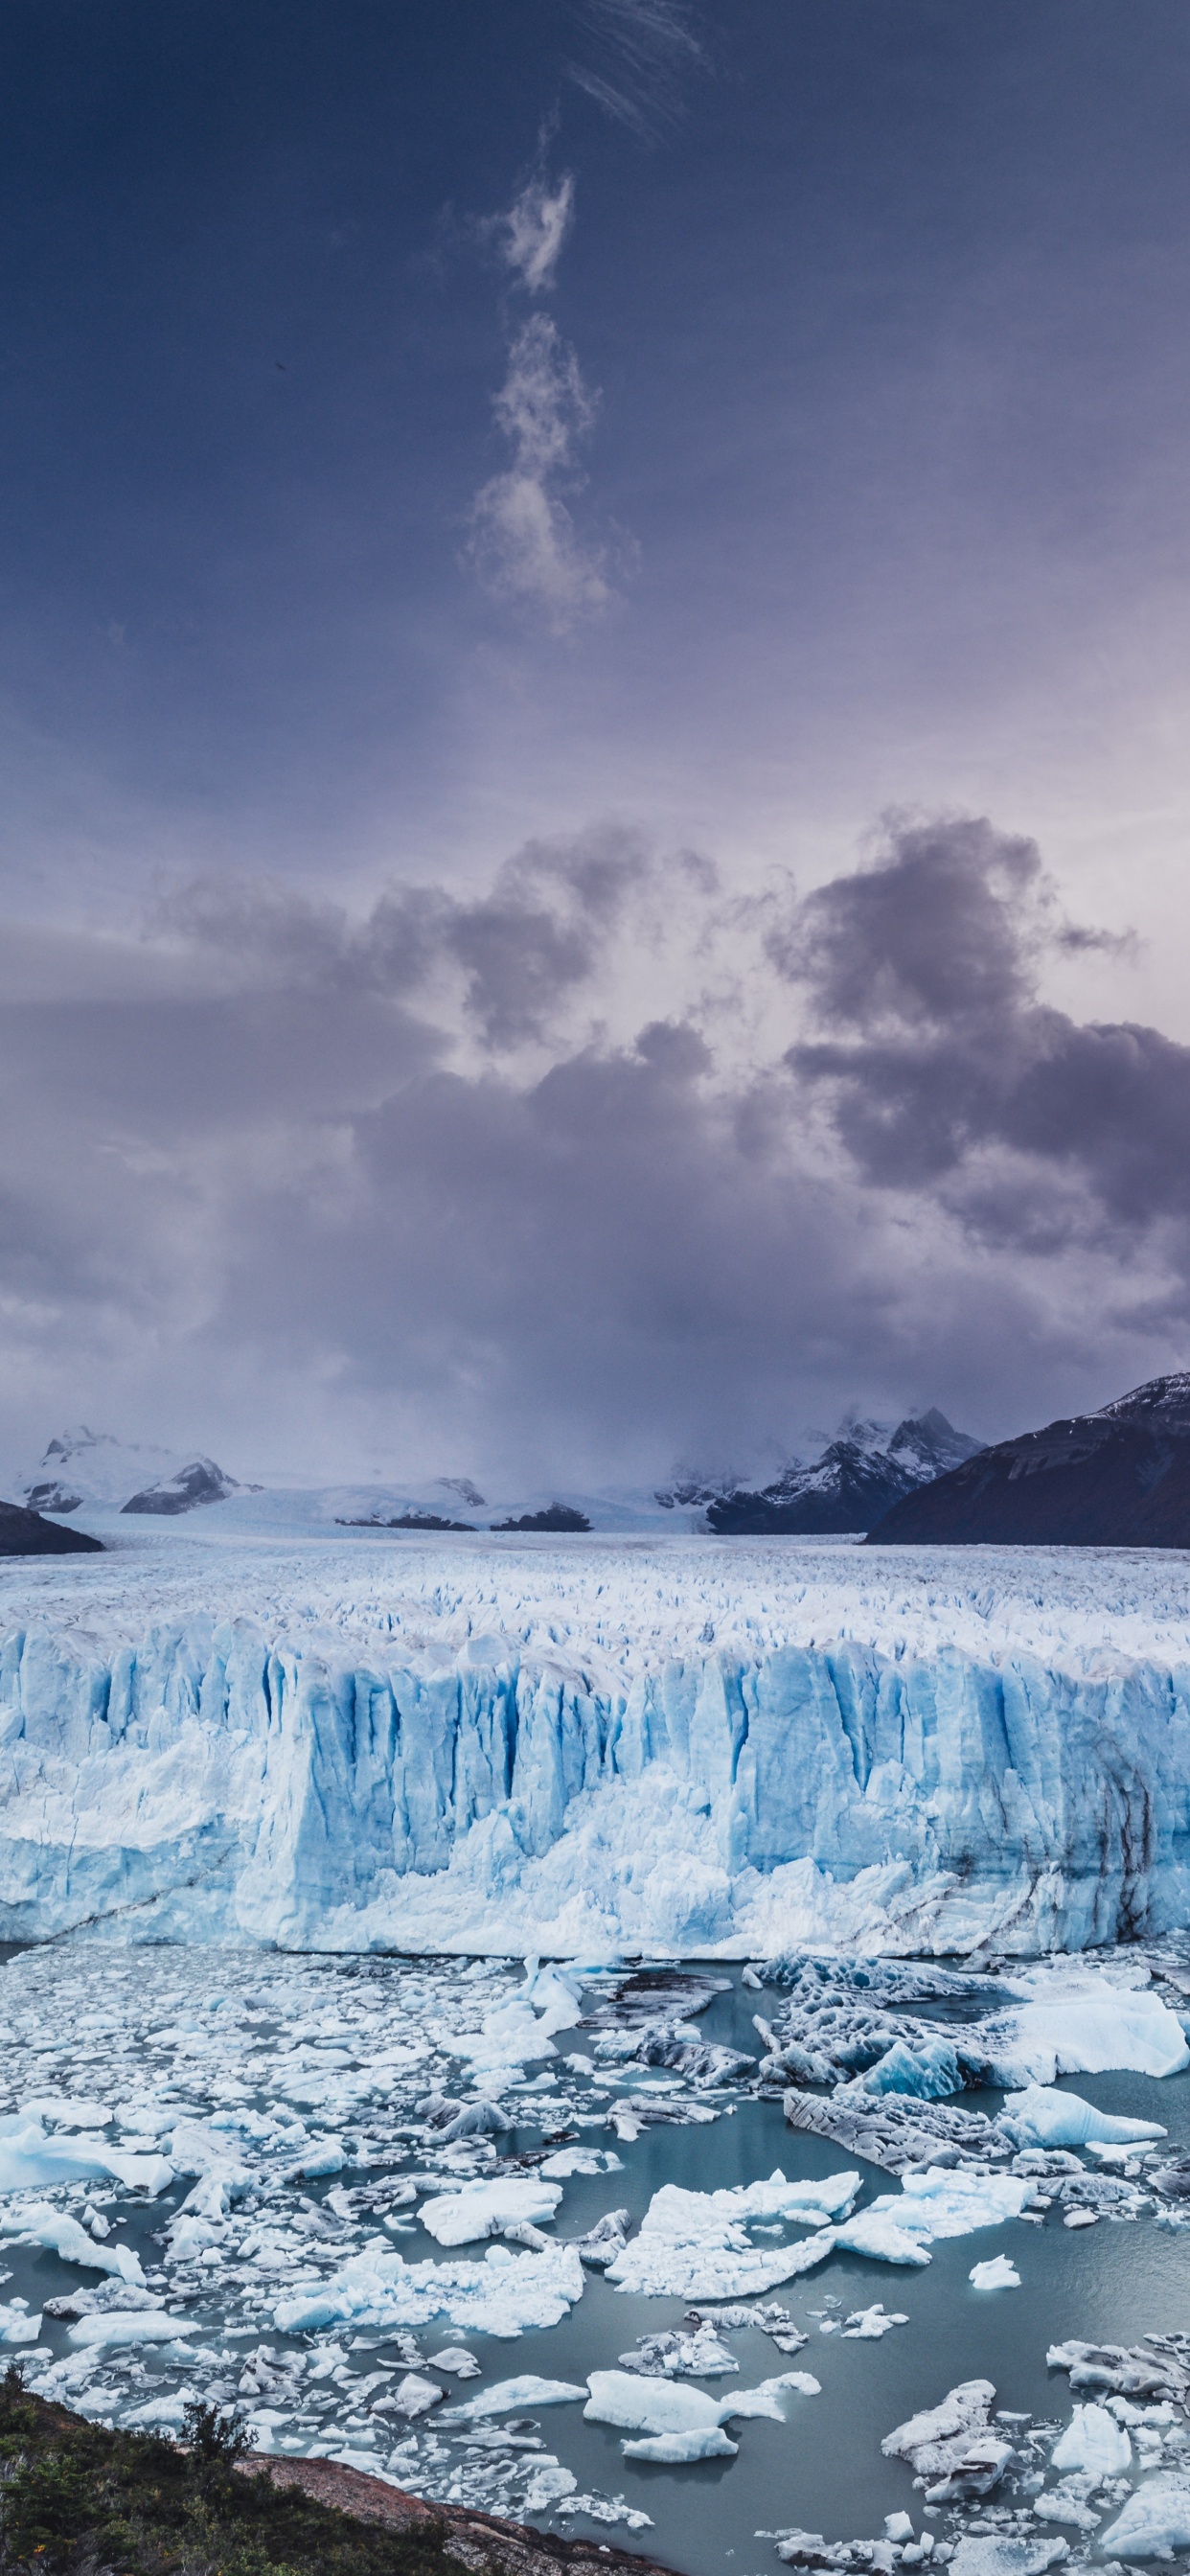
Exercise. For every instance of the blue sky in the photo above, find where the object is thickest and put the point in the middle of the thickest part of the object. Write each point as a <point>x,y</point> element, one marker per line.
<point>500,508</point>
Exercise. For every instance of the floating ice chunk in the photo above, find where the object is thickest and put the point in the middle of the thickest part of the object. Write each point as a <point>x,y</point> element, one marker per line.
<point>601,2244</point>
<point>487,2208</point>
<point>875,2231</point>
<point>984,2555</point>
<point>1043,2117</point>
<point>29,2160</point>
<point>806,2204</point>
<point>70,2110</point>
<point>1094,2028</point>
<point>694,2245</point>
<point>675,2450</point>
<point>866,2325</point>
<point>459,2363</point>
<point>1068,2504</point>
<point>414,2395</point>
<point>41,2225</point>
<point>668,2406</point>
<point>1155,2518</point>
<point>928,2440</point>
<point>998,2273</point>
<point>377,2288</point>
<point>930,2071</point>
<point>765,2399</point>
<point>639,2405</point>
<point>512,2397</point>
<point>897,2526</point>
<point>899,2227</point>
<point>323,2156</point>
<point>569,2161</point>
<point>169,2412</point>
<point>16,2324</point>
<point>133,2325</point>
<point>681,2356</point>
<point>941,2203</point>
<point>1094,2443</point>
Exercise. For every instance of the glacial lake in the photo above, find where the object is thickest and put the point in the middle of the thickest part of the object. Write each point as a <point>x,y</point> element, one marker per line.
<point>84,2008</point>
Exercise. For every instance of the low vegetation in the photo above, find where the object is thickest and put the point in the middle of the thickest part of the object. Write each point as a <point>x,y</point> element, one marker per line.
<point>86,2501</point>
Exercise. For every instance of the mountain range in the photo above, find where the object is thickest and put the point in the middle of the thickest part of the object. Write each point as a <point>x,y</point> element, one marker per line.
<point>865,1469</point>
<point>1116,1478</point>
<point>92,1470</point>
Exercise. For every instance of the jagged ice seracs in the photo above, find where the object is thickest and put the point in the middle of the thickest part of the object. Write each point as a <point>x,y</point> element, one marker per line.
<point>588,1747</point>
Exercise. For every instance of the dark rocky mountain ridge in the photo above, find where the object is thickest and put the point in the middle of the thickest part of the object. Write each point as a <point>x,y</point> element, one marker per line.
<point>25,1533</point>
<point>1116,1478</point>
<point>852,1484</point>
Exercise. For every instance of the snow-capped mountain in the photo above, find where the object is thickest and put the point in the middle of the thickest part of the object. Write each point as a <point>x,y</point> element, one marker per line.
<point>1116,1478</point>
<point>92,1470</point>
<point>200,1481</point>
<point>860,1473</point>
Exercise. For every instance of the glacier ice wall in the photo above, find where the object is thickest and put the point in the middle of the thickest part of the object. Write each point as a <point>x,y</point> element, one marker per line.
<point>219,1780</point>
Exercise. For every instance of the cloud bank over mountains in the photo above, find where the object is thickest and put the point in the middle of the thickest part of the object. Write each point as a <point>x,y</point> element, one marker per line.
<point>600,1163</point>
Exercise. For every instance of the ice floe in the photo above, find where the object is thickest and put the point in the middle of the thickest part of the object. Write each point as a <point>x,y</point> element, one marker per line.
<point>694,2245</point>
<point>1155,2519</point>
<point>1041,2116</point>
<point>481,2209</point>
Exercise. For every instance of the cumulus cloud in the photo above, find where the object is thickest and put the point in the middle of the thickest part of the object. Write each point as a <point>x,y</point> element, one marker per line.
<point>925,969</point>
<point>524,542</point>
<point>474,1175</point>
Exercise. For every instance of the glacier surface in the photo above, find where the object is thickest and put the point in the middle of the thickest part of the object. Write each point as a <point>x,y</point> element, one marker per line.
<point>591,1746</point>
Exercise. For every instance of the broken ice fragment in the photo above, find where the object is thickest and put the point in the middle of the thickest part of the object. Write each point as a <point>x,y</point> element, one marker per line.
<point>998,2273</point>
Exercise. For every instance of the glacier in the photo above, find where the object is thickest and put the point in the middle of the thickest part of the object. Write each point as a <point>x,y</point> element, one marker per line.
<point>594,1746</point>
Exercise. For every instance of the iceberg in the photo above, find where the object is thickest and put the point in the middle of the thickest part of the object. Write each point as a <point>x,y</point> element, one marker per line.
<point>943,2201</point>
<point>1043,2117</point>
<point>487,2208</point>
<point>38,2224</point>
<point>1094,2444</point>
<point>311,1747</point>
<point>30,2158</point>
<point>1089,2030</point>
<point>674,2450</point>
<point>998,2273</point>
<point>1154,2520</point>
<point>929,2072</point>
<point>693,2245</point>
<point>502,2294</point>
<point>16,2324</point>
<point>665,2408</point>
<point>511,2396</point>
<point>987,2555</point>
<point>128,2325</point>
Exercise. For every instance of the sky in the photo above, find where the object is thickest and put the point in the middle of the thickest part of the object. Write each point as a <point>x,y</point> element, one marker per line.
<point>594,640</point>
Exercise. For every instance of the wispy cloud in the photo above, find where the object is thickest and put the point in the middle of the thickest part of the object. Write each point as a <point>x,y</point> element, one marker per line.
<point>644,53</point>
<point>524,542</point>
<point>532,233</point>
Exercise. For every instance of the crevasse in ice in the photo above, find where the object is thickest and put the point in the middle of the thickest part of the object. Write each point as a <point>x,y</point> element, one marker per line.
<point>423,1782</point>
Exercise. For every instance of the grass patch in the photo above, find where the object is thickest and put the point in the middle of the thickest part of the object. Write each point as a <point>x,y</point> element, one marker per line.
<point>79,2500</point>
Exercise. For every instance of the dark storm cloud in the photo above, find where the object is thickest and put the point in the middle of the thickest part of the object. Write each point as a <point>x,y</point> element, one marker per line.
<point>925,968</point>
<point>520,951</point>
<point>409,1154</point>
